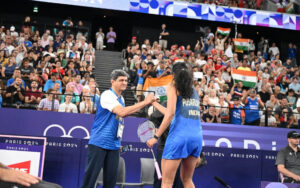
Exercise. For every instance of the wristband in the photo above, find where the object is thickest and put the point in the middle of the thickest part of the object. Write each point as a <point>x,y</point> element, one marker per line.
<point>156,137</point>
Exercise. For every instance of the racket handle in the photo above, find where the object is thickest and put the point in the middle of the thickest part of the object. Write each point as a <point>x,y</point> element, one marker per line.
<point>157,170</point>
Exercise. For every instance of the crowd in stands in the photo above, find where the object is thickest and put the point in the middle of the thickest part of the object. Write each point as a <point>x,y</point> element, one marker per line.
<point>223,100</point>
<point>50,70</point>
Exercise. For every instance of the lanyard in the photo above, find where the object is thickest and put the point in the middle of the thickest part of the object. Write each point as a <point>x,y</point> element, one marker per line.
<point>118,98</point>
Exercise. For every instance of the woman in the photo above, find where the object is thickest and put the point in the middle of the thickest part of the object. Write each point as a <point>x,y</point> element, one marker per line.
<point>9,68</point>
<point>183,104</point>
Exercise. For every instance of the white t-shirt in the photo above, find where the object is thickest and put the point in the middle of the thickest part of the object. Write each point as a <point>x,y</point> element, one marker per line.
<point>271,120</point>
<point>100,37</point>
<point>109,100</point>
<point>274,50</point>
<point>68,108</point>
<point>84,106</point>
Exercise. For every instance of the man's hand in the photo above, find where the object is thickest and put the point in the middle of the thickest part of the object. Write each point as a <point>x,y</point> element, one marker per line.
<point>14,176</point>
<point>150,98</point>
<point>297,178</point>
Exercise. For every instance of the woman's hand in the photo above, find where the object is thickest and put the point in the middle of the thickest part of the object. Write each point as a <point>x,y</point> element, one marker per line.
<point>150,143</point>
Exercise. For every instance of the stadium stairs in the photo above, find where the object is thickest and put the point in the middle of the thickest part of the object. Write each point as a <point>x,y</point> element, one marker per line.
<point>106,62</point>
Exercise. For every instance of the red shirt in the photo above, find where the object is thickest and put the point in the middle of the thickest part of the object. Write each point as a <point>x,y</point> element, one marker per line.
<point>29,93</point>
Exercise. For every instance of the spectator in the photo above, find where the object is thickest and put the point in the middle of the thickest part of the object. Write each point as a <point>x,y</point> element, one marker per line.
<point>292,51</point>
<point>50,83</point>
<point>75,97</point>
<point>265,92</point>
<point>17,73</point>
<point>252,105</point>
<point>291,99</point>
<point>295,85</point>
<point>273,51</point>
<point>284,115</point>
<point>273,102</point>
<point>26,70</point>
<point>87,106</point>
<point>100,38</point>
<point>9,68</point>
<point>77,85</point>
<point>68,106</point>
<point>163,37</point>
<point>237,112</point>
<point>111,39</point>
<point>33,95</point>
<point>288,160</point>
<point>271,118</point>
<point>237,89</point>
<point>49,103</point>
<point>212,116</point>
<point>244,66</point>
<point>15,93</point>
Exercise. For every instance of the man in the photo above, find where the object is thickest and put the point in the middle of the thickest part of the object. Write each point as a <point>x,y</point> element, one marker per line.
<point>237,89</point>
<point>280,114</point>
<point>295,85</point>
<point>68,106</point>
<point>15,93</point>
<point>111,39</point>
<point>49,103</point>
<point>288,160</point>
<point>252,104</point>
<point>26,70</point>
<point>50,83</point>
<point>33,95</point>
<point>271,118</point>
<point>75,99</point>
<point>237,111</point>
<point>17,73</point>
<point>14,178</point>
<point>265,93</point>
<point>100,38</point>
<point>274,50</point>
<point>77,85</point>
<point>244,66</point>
<point>107,130</point>
<point>163,37</point>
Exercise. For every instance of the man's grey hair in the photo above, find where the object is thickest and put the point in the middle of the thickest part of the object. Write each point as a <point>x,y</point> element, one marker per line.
<point>117,73</point>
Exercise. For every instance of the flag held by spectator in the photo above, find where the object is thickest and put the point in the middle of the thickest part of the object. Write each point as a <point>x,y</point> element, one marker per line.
<point>248,78</point>
<point>223,31</point>
<point>242,44</point>
<point>158,85</point>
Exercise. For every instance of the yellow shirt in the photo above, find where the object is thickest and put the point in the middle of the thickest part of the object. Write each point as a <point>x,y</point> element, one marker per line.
<point>244,68</point>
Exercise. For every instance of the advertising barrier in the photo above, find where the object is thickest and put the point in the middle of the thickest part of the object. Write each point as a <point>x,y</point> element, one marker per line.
<point>23,153</point>
<point>54,124</point>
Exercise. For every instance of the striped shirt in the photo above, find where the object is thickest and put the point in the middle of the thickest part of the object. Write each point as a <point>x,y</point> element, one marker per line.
<point>46,104</point>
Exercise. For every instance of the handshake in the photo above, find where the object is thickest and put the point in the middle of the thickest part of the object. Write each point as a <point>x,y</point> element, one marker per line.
<point>150,98</point>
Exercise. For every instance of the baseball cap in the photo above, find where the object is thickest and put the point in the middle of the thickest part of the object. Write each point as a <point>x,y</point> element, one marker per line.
<point>12,28</point>
<point>252,91</point>
<point>134,37</point>
<point>236,98</point>
<point>293,134</point>
<point>28,44</point>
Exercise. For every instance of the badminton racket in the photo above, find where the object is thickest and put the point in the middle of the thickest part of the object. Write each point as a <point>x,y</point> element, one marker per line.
<point>146,131</point>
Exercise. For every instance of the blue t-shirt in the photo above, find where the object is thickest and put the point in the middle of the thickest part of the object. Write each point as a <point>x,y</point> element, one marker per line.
<point>105,126</point>
<point>141,79</point>
<point>49,84</point>
<point>236,115</point>
<point>252,110</point>
<point>11,81</point>
<point>292,53</point>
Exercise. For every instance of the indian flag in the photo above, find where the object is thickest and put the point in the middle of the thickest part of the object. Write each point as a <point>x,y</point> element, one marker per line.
<point>248,78</point>
<point>242,44</point>
<point>223,31</point>
<point>158,85</point>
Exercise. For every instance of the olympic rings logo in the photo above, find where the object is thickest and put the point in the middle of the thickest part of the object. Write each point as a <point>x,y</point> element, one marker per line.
<point>64,133</point>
